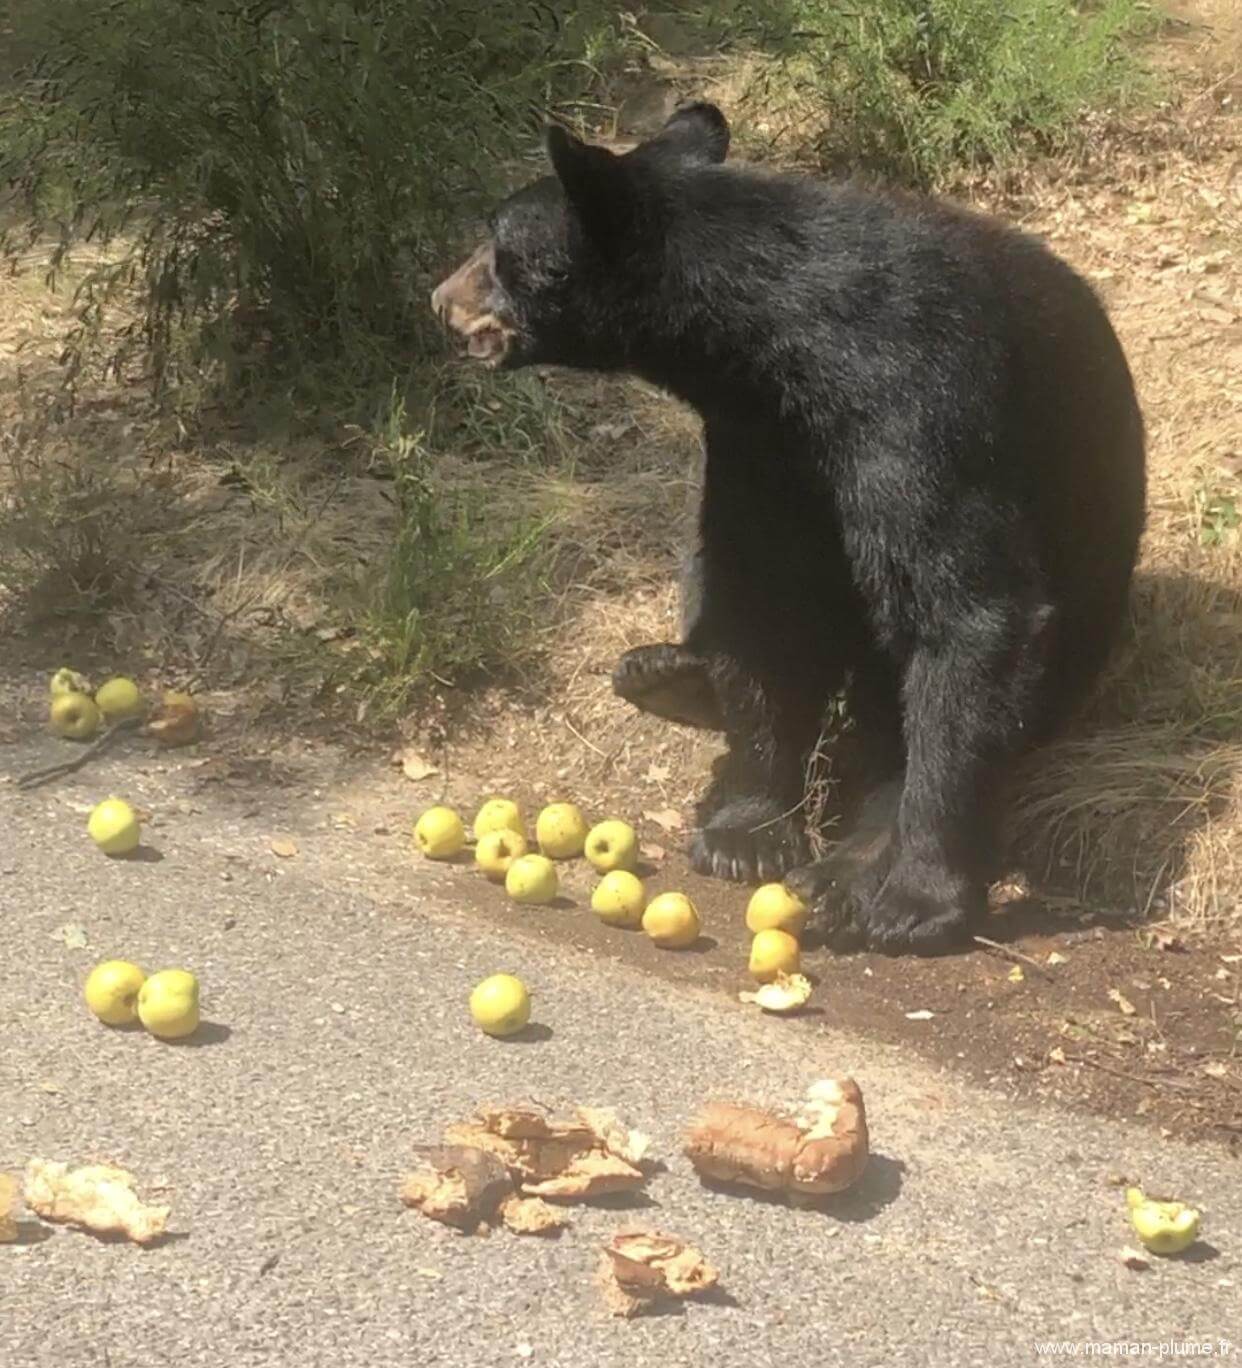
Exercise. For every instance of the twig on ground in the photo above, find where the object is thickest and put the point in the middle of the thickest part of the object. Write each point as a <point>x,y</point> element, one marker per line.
<point>1016,955</point>
<point>590,745</point>
<point>1129,1077</point>
<point>42,776</point>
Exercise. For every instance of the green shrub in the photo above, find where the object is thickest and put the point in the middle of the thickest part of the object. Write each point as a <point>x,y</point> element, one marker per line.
<point>296,166</point>
<point>919,89</point>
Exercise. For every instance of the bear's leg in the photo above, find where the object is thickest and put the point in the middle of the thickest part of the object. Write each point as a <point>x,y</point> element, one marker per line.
<point>668,680</point>
<point>912,875</point>
<point>870,761</point>
<point>751,826</point>
<point>972,701</point>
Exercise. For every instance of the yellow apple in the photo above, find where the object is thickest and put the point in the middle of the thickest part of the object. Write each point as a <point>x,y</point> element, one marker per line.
<point>74,715</point>
<point>532,879</point>
<point>561,831</point>
<point>773,906</point>
<point>500,1005</point>
<point>114,827</point>
<point>496,852</point>
<point>498,814</point>
<point>774,952</point>
<point>439,833</point>
<point>111,991</point>
<point>671,921</point>
<point>612,845</point>
<point>619,899</point>
<point>168,1004</point>
<point>66,681</point>
<point>118,698</point>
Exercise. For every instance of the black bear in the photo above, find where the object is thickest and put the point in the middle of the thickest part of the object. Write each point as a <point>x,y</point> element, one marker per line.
<point>924,487</point>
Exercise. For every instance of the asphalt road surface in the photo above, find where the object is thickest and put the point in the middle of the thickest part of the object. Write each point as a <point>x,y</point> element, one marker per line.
<point>334,986</point>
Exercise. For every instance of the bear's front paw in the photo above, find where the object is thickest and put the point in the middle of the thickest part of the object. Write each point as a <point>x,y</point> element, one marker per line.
<point>916,910</point>
<point>822,887</point>
<point>847,878</point>
<point>670,682</point>
<point>749,840</point>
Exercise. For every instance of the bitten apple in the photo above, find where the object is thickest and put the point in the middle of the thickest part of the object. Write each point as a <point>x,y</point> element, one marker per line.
<point>612,845</point>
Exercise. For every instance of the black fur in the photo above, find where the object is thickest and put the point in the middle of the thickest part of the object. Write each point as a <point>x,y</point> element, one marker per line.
<point>924,483</point>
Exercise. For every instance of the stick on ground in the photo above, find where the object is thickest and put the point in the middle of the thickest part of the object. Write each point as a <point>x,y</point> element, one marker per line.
<point>43,776</point>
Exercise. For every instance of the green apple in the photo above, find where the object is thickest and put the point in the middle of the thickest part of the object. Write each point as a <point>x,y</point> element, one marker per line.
<point>619,899</point>
<point>498,814</point>
<point>439,833</point>
<point>532,879</point>
<point>672,921</point>
<point>773,907</point>
<point>111,991</point>
<point>168,1004</point>
<point>496,852</point>
<point>612,845</point>
<point>500,1005</point>
<point>774,952</point>
<point>561,831</point>
<point>74,715</point>
<point>118,698</point>
<point>66,681</point>
<point>114,827</point>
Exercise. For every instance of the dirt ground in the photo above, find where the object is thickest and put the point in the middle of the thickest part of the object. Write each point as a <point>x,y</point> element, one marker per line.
<point>1129,833</point>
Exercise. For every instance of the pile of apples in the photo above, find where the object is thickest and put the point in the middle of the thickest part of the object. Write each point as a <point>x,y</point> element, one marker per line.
<point>561,833</point>
<point>774,916</point>
<point>76,714</point>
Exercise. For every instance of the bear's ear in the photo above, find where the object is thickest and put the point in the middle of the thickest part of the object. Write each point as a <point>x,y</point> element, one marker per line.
<point>696,132</point>
<point>595,183</point>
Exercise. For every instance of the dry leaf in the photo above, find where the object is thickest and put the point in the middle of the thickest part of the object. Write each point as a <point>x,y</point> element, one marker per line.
<point>531,1216</point>
<point>1056,958</point>
<point>1231,959</point>
<point>654,853</point>
<point>922,1015</point>
<point>1216,1070</point>
<point>640,1267</point>
<point>667,820</point>
<point>8,1208</point>
<point>413,766</point>
<point>657,774</point>
<point>1135,1258</point>
<point>284,846</point>
<point>96,1197</point>
<point>1015,975</point>
<point>1057,1055</point>
<point>1006,891</point>
<point>1124,1005</point>
<point>72,936</point>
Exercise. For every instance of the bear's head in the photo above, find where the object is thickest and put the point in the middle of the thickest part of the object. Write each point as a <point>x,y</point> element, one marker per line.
<point>567,254</point>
